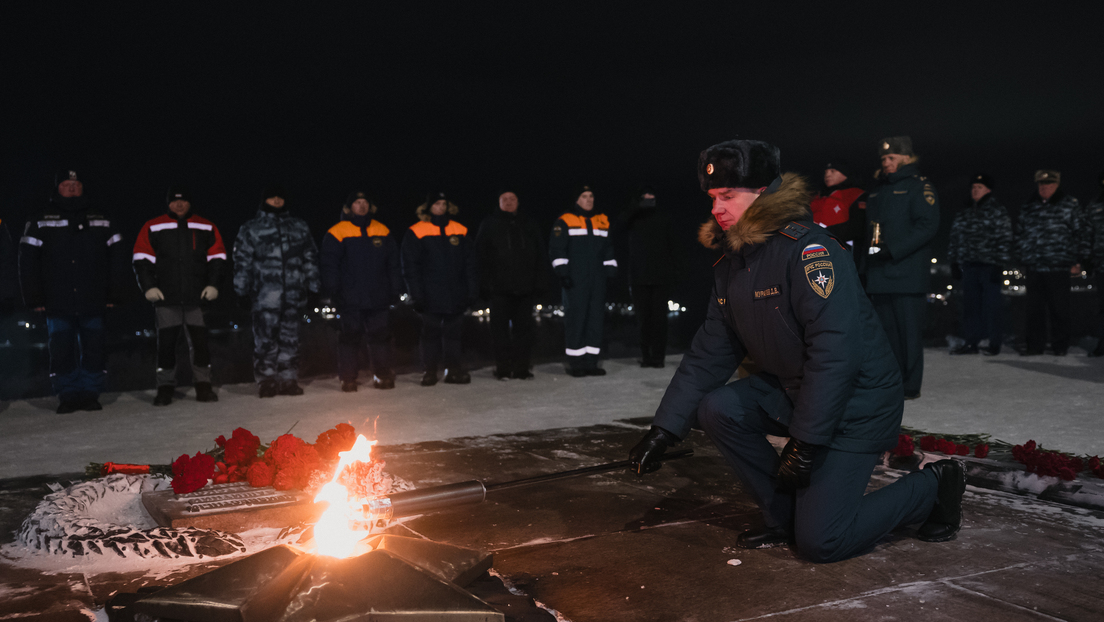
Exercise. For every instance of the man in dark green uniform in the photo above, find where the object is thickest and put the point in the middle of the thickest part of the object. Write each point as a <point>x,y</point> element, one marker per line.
<point>786,293</point>
<point>903,213</point>
<point>582,256</point>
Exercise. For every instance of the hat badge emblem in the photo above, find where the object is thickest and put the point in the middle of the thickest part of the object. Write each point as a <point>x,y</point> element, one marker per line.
<point>885,145</point>
<point>709,169</point>
<point>72,175</point>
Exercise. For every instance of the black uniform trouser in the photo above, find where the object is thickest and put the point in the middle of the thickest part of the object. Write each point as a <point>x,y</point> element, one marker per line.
<point>512,330</point>
<point>584,314</point>
<point>353,327</point>
<point>982,312</point>
<point>1048,296</point>
<point>650,304</point>
<point>1098,330</point>
<point>76,345</point>
<point>172,321</point>
<point>441,333</point>
<point>902,317</point>
<point>832,519</point>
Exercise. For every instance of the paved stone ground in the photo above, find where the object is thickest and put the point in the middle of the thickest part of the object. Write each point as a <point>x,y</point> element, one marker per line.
<point>616,547</point>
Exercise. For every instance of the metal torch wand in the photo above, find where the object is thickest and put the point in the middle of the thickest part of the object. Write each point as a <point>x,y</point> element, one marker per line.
<point>425,500</point>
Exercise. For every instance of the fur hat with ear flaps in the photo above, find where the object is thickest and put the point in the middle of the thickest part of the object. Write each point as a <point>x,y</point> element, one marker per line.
<point>768,214</point>
<point>423,210</point>
<point>739,164</point>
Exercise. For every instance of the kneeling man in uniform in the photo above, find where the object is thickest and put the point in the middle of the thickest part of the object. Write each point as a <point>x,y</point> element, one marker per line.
<point>786,294</point>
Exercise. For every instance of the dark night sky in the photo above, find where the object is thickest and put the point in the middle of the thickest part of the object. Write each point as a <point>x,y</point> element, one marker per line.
<point>537,99</point>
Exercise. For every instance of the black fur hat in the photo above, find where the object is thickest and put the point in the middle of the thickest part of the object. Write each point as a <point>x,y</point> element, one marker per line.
<point>358,194</point>
<point>983,179</point>
<point>898,145</point>
<point>177,193</point>
<point>65,174</point>
<point>739,164</point>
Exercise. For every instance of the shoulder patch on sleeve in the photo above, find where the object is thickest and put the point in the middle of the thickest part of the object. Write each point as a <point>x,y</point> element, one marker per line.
<point>929,194</point>
<point>821,276</point>
<point>813,251</point>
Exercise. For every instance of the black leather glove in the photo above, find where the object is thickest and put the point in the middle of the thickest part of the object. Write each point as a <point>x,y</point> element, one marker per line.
<point>644,457</point>
<point>956,272</point>
<point>567,282</point>
<point>796,465</point>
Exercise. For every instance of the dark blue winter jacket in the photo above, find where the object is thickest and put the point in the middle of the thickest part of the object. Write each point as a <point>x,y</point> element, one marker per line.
<point>438,265</point>
<point>360,265</point>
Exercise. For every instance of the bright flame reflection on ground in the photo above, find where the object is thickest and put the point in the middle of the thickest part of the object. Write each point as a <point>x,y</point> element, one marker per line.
<point>334,533</point>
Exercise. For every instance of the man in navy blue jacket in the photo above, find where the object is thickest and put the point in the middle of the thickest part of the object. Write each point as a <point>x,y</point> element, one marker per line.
<point>787,294</point>
<point>360,274</point>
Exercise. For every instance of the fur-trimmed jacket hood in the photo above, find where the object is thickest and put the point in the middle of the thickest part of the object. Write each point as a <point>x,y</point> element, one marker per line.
<point>768,214</point>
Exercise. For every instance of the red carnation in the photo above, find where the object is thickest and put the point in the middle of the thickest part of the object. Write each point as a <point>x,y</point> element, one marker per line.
<point>330,442</point>
<point>905,446</point>
<point>294,460</point>
<point>261,474</point>
<point>946,446</point>
<point>221,441</point>
<point>191,474</point>
<point>242,447</point>
<point>981,451</point>
<point>962,450</point>
<point>1029,445</point>
<point>928,443</point>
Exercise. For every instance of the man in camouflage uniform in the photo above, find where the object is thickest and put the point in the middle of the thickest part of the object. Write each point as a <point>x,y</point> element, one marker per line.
<point>1051,240</point>
<point>276,268</point>
<point>905,209</point>
<point>1095,215</point>
<point>979,250</point>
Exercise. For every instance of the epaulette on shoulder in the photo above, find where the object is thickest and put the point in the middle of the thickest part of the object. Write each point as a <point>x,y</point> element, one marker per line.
<point>794,230</point>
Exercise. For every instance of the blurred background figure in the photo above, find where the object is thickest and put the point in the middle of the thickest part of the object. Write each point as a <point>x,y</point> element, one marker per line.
<point>654,260</point>
<point>582,256</point>
<point>512,267</point>
<point>438,265</point>
<point>178,259</point>
<point>1096,263</point>
<point>979,251</point>
<point>904,208</point>
<point>361,277</point>
<point>840,206</point>
<point>71,264</point>
<point>1052,239</point>
<point>275,273</point>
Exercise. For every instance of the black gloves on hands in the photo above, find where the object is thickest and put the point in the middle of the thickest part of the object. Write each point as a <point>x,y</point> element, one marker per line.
<point>956,272</point>
<point>796,465</point>
<point>644,457</point>
<point>567,282</point>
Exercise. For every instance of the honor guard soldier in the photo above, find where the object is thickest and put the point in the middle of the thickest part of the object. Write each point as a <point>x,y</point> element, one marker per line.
<point>1052,238</point>
<point>1096,263</point>
<point>979,250</point>
<point>71,264</point>
<point>275,271</point>
<point>903,211</point>
<point>360,275</point>
<point>438,265</point>
<point>582,256</point>
<point>787,294</point>
<point>178,259</point>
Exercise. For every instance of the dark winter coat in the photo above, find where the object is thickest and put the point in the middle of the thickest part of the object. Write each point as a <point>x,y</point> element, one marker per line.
<point>654,257</point>
<point>510,251</point>
<point>179,256</point>
<point>787,294</point>
<point>842,210</point>
<point>275,261</point>
<point>580,247</point>
<point>360,265</point>
<point>438,265</point>
<point>981,233</point>
<point>1051,236</point>
<point>9,272</point>
<point>1095,216</point>
<point>907,207</point>
<point>71,260</point>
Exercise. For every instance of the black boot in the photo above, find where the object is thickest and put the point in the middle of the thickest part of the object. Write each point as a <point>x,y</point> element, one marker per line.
<point>348,386</point>
<point>596,371</point>
<point>204,392</point>
<point>268,388</point>
<point>92,402</point>
<point>965,349</point>
<point>385,381</point>
<point>1099,349</point>
<point>70,403</point>
<point>946,516</point>
<point>429,378</point>
<point>521,372</point>
<point>457,377</point>
<point>500,373</point>
<point>290,387</point>
<point>764,538</point>
<point>164,395</point>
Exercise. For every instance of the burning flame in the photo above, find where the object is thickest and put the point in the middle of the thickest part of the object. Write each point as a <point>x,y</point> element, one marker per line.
<point>334,533</point>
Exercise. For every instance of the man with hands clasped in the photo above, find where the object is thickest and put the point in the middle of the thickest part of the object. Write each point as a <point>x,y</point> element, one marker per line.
<point>786,293</point>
